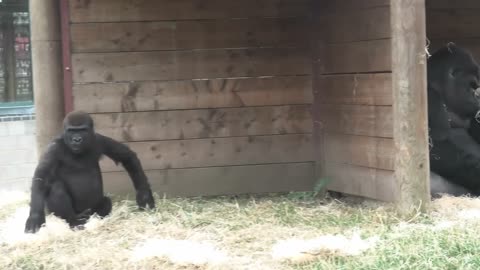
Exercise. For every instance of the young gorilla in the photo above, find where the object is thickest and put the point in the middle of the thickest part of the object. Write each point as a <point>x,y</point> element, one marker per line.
<point>453,79</point>
<point>68,181</point>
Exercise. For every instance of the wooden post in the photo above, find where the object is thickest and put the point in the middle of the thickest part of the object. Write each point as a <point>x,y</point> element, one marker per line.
<point>409,79</point>
<point>46,69</point>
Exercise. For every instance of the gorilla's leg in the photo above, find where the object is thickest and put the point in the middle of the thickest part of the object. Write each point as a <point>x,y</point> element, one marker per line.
<point>439,185</point>
<point>104,207</point>
<point>60,204</point>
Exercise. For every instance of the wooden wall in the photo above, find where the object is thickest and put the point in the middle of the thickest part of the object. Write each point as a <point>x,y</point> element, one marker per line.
<point>353,96</point>
<point>213,95</point>
<point>454,21</point>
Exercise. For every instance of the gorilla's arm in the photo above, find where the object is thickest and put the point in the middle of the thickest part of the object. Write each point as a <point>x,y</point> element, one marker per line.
<point>438,124</point>
<point>474,129</point>
<point>39,189</point>
<point>456,160</point>
<point>440,185</point>
<point>120,153</point>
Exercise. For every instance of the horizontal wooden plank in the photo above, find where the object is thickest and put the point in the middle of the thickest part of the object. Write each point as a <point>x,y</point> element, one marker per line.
<point>127,10</point>
<point>220,152</point>
<point>363,56</point>
<point>360,181</point>
<point>453,23</point>
<point>363,151</point>
<point>174,35</point>
<point>219,180</point>
<point>205,123</point>
<point>448,4</point>
<point>376,121</point>
<point>359,89</point>
<point>177,65</point>
<point>196,94</point>
<point>361,25</point>
<point>344,5</point>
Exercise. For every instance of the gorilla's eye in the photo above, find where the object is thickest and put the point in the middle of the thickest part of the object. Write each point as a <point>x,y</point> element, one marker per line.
<point>455,72</point>
<point>474,85</point>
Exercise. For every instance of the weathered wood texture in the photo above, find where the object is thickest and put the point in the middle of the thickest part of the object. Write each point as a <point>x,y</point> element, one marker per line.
<point>220,152</point>
<point>219,180</point>
<point>355,89</point>
<point>213,95</point>
<point>372,152</point>
<point>184,65</point>
<point>357,119</point>
<point>352,109</point>
<point>454,21</point>
<point>46,70</point>
<point>342,5</point>
<point>409,82</point>
<point>358,57</point>
<point>353,26</point>
<point>188,35</point>
<point>204,123</point>
<point>126,10</point>
<point>197,94</point>
<point>362,181</point>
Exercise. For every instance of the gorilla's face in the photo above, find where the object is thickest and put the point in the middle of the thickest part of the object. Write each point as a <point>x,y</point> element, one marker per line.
<point>461,91</point>
<point>454,74</point>
<point>78,138</point>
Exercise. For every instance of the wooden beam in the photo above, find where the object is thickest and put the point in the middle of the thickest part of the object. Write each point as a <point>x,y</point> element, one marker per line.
<point>196,153</point>
<point>192,94</point>
<point>47,69</point>
<point>204,123</point>
<point>128,10</point>
<point>362,181</point>
<point>354,89</point>
<point>188,35</point>
<point>361,25</point>
<point>373,121</point>
<point>410,104</point>
<point>192,64</point>
<point>350,5</point>
<point>358,57</point>
<point>365,151</point>
<point>66,56</point>
<point>223,180</point>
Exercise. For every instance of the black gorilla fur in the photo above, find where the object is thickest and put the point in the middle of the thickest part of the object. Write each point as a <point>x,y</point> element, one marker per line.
<point>68,181</point>
<point>453,78</point>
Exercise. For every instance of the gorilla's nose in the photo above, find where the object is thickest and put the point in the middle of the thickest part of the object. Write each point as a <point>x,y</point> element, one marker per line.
<point>77,139</point>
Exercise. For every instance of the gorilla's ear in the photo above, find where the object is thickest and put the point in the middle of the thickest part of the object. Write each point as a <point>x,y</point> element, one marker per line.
<point>451,46</point>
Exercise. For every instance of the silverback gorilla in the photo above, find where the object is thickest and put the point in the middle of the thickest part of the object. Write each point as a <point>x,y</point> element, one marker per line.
<point>68,182</point>
<point>453,106</point>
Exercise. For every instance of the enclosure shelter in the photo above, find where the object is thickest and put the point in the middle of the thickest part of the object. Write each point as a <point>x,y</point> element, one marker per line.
<point>214,96</point>
<point>353,96</point>
<point>223,96</point>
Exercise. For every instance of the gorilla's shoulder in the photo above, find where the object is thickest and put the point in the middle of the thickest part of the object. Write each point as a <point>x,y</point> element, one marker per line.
<point>101,139</point>
<point>57,144</point>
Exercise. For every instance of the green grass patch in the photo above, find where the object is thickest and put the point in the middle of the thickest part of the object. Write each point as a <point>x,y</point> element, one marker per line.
<point>247,227</point>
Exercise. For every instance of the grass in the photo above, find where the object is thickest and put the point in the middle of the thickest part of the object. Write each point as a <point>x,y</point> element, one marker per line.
<point>245,229</point>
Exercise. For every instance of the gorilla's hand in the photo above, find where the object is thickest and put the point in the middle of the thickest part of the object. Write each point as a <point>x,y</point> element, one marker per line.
<point>144,198</point>
<point>34,222</point>
<point>85,215</point>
